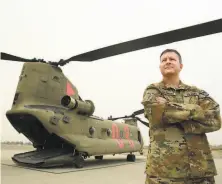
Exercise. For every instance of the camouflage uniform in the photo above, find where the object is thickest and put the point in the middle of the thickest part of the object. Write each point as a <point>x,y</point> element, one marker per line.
<point>178,147</point>
<point>156,180</point>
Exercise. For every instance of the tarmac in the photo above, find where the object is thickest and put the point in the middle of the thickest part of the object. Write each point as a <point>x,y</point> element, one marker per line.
<point>110,170</point>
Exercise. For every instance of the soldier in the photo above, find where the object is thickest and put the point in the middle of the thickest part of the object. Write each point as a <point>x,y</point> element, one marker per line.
<point>179,117</point>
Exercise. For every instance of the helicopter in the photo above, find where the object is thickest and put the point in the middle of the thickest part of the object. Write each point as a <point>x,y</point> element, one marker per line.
<point>48,109</point>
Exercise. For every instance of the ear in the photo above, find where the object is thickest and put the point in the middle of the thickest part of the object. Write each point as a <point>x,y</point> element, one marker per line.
<point>181,66</point>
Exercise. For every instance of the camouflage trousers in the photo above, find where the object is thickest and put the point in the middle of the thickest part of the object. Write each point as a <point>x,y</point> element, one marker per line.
<point>155,180</point>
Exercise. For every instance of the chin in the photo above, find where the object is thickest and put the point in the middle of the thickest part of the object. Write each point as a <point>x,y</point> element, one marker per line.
<point>167,74</point>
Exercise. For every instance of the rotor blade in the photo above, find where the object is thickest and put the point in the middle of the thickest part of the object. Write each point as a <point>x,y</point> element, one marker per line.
<point>143,122</point>
<point>119,118</point>
<point>5,56</point>
<point>136,113</point>
<point>198,30</point>
<point>141,111</point>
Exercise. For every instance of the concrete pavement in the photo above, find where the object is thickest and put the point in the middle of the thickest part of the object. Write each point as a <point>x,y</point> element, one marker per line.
<point>113,169</point>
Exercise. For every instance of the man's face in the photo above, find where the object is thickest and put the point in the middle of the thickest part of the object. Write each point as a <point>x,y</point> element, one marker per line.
<point>170,64</point>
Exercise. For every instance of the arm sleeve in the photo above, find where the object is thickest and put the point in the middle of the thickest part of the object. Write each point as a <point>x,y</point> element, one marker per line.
<point>205,117</point>
<point>198,118</point>
<point>162,113</point>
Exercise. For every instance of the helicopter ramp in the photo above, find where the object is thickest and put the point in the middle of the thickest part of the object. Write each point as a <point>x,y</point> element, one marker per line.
<point>44,158</point>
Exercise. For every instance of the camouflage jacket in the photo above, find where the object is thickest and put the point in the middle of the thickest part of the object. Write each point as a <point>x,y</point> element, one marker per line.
<point>178,144</point>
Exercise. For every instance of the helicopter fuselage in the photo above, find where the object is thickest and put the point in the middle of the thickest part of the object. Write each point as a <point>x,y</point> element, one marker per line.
<point>37,113</point>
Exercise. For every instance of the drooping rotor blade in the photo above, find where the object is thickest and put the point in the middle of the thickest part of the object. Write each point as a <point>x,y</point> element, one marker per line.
<point>143,122</point>
<point>5,56</point>
<point>122,117</point>
<point>198,30</point>
<point>136,113</point>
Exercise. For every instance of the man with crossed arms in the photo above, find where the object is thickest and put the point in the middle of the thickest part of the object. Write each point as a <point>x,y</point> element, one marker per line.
<point>179,117</point>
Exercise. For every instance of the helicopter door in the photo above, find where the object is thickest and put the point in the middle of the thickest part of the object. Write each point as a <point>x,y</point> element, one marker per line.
<point>139,137</point>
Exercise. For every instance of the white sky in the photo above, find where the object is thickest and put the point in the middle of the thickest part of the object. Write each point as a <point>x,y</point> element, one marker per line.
<point>60,29</point>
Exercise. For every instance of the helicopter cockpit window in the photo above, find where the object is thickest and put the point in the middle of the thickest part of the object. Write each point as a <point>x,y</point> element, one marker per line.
<point>91,130</point>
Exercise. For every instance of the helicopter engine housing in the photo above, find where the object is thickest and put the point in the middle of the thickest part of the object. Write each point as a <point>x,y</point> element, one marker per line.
<point>82,107</point>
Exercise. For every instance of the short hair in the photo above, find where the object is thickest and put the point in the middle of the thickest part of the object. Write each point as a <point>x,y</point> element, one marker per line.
<point>172,50</point>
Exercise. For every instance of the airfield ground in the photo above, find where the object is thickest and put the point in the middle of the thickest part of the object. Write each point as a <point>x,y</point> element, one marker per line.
<point>111,170</point>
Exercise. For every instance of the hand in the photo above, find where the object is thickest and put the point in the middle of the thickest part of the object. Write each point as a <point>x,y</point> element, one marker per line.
<point>161,100</point>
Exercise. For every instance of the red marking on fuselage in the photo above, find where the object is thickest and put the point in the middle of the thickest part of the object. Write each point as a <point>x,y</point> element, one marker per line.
<point>120,143</point>
<point>69,90</point>
<point>131,143</point>
<point>115,135</point>
<point>126,130</point>
<point>115,131</point>
<point>127,136</point>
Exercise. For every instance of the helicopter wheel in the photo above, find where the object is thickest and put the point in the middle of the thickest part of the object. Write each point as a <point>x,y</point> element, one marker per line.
<point>79,161</point>
<point>131,158</point>
<point>99,157</point>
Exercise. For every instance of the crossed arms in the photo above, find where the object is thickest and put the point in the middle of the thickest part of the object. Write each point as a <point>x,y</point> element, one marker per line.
<point>202,117</point>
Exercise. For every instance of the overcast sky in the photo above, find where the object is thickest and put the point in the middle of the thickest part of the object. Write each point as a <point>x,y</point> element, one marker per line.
<point>53,30</point>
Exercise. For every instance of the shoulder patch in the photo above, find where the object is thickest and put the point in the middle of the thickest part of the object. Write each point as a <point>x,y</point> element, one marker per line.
<point>203,93</point>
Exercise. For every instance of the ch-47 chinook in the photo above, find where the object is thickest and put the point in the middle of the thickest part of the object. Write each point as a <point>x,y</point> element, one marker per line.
<point>49,111</point>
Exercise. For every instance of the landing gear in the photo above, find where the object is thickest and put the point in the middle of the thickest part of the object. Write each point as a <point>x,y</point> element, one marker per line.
<point>99,157</point>
<point>78,161</point>
<point>141,152</point>
<point>131,158</point>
